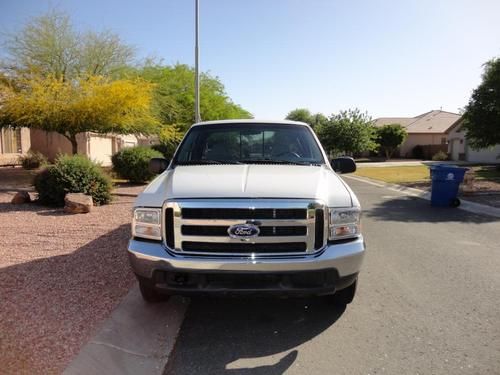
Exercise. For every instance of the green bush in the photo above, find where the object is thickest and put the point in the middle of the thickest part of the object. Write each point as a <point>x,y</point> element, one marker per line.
<point>440,156</point>
<point>418,152</point>
<point>167,149</point>
<point>72,174</point>
<point>33,160</point>
<point>133,163</point>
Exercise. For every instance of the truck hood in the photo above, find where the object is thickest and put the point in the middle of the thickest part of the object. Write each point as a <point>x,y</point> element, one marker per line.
<point>247,181</point>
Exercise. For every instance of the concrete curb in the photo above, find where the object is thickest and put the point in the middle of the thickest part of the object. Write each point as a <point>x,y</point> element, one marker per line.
<point>137,338</point>
<point>465,205</point>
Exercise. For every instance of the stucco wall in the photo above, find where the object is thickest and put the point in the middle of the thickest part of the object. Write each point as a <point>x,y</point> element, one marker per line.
<point>51,143</point>
<point>413,140</point>
<point>100,149</point>
<point>96,146</point>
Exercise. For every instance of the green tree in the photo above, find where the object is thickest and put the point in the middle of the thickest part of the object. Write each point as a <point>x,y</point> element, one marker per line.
<point>300,114</point>
<point>173,102</point>
<point>49,45</point>
<point>481,119</point>
<point>348,132</point>
<point>318,119</point>
<point>90,104</point>
<point>174,96</point>
<point>304,115</point>
<point>390,137</point>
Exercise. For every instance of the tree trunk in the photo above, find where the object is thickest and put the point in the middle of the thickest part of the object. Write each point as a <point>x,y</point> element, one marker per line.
<point>388,154</point>
<point>74,144</point>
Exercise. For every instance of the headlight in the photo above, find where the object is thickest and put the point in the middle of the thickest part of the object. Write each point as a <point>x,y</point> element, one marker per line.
<point>344,223</point>
<point>147,223</point>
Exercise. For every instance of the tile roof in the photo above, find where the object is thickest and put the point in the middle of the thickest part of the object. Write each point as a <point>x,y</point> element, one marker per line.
<point>430,122</point>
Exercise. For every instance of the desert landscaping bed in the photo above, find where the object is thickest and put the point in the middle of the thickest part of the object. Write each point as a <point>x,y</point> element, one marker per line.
<point>60,276</point>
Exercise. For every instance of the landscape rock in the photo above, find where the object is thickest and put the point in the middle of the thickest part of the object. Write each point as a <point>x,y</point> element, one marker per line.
<point>468,183</point>
<point>77,203</point>
<point>21,197</point>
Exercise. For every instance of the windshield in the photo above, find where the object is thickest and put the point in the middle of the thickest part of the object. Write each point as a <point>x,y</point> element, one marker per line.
<point>249,144</point>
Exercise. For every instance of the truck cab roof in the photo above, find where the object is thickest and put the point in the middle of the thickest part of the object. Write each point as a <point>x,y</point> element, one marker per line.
<point>250,121</point>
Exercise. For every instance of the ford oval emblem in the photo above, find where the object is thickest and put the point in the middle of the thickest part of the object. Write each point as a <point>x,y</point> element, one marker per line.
<point>243,231</point>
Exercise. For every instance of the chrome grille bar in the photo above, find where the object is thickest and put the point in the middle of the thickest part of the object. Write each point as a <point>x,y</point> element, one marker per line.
<point>310,208</point>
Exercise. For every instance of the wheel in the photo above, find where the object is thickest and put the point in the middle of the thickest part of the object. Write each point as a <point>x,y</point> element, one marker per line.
<point>345,296</point>
<point>150,294</point>
<point>455,202</point>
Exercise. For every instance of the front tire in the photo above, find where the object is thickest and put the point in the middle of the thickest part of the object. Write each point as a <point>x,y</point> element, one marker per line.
<point>150,294</point>
<point>345,296</point>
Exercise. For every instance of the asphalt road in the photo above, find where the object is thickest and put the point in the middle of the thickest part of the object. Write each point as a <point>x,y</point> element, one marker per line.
<point>428,302</point>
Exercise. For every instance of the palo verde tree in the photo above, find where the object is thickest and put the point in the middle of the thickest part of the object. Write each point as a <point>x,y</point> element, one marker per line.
<point>481,118</point>
<point>49,45</point>
<point>348,132</point>
<point>57,79</point>
<point>90,104</point>
<point>390,137</point>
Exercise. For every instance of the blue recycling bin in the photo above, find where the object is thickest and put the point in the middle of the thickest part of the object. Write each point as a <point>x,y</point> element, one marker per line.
<point>446,180</point>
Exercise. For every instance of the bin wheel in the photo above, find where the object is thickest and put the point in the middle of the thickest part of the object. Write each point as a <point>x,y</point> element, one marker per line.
<point>455,202</point>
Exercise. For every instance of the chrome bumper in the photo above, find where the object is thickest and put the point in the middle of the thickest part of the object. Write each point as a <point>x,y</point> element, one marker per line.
<point>147,257</point>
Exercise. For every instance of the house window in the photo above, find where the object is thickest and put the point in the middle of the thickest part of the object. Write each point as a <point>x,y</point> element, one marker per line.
<point>11,141</point>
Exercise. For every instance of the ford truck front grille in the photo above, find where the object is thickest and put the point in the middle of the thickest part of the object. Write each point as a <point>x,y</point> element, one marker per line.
<point>286,226</point>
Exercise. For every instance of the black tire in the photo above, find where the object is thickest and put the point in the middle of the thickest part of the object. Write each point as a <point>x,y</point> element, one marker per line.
<point>455,202</point>
<point>150,294</point>
<point>345,296</point>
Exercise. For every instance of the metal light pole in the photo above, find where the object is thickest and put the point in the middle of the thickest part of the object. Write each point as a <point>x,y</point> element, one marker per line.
<point>197,116</point>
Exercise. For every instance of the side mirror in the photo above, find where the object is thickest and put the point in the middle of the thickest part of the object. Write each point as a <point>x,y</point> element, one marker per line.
<point>344,164</point>
<point>158,165</point>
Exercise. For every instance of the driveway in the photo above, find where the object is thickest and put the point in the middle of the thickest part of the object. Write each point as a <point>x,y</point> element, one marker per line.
<point>427,304</point>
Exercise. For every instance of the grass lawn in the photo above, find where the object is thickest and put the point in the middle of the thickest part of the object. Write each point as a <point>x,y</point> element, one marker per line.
<point>396,174</point>
<point>420,173</point>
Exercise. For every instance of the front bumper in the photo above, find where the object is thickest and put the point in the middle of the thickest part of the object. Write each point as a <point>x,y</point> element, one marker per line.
<point>152,262</point>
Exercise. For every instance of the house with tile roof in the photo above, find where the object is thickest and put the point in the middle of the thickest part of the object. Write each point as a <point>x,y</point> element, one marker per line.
<point>459,148</point>
<point>429,129</point>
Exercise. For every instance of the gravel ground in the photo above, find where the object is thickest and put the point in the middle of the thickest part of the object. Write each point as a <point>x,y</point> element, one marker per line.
<point>60,276</point>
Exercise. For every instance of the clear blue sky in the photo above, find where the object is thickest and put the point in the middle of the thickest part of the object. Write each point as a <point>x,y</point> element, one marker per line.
<point>391,58</point>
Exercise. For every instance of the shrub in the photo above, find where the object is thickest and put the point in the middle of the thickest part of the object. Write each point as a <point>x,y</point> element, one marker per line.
<point>33,160</point>
<point>133,163</point>
<point>72,174</point>
<point>167,149</point>
<point>440,156</point>
<point>418,152</point>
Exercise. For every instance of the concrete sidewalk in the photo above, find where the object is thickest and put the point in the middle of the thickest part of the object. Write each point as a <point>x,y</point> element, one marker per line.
<point>136,339</point>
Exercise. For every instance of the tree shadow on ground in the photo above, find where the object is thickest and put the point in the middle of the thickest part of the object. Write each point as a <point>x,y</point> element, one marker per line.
<point>50,306</point>
<point>220,334</point>
<point>412,209</point>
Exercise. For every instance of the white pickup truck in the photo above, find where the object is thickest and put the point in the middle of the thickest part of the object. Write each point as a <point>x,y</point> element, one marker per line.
<point>248,206</point>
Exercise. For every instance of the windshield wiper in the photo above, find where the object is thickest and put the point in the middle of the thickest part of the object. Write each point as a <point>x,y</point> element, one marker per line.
<point>211,161</point>
<point>272,161</point>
